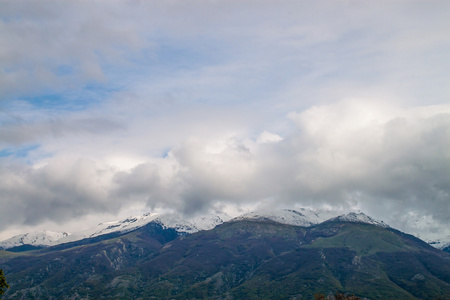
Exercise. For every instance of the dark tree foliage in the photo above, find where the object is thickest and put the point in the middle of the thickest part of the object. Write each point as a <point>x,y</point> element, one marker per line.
<point>3,284</point>
<point>337,296</point>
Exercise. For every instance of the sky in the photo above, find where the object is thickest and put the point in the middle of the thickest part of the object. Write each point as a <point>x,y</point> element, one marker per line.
<point>115,108</point>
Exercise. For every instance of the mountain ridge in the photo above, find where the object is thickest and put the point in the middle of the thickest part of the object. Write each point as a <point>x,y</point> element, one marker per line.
<point>300,217</point>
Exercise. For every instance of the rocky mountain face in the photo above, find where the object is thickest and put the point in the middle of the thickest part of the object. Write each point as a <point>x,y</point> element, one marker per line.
<point>244,258</point>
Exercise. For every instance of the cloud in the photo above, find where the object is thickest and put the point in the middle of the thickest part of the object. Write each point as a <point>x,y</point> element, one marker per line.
<point>53,46</point>
<point>183,106</point>
<point>386,159</point>
<point>193,177</point>
<point>47,44</point>
<point>267,137</point>
<point>396,157</point>
<point>20,131</point>
<point>60,191</point>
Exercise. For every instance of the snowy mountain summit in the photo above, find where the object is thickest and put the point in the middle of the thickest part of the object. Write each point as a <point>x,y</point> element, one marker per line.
<point>307,217</point>
<point>191,225</point>
<point>302,217</point>
<point>358,218</point>
<point>38,238</point>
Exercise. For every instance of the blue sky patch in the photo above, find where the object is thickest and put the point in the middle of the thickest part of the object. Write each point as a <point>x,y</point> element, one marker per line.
<point>90,95</point>
<point>19,152</point>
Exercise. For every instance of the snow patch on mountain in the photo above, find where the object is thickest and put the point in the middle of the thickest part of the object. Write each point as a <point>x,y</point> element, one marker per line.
<point>441,243</point>
<point>39,238</point>
<point>358,218</point>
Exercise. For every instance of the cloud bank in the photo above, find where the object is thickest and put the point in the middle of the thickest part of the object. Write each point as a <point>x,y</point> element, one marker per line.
<point>202,105</point>
<point>389,161</point>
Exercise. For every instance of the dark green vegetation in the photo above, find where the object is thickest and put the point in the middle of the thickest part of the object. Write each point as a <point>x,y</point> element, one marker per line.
<point>236,260</point>
<point>23,248</point>
<point>337,296</point>
<point>3,284</point>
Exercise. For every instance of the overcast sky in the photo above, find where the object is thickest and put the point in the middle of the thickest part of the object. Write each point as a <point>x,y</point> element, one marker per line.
<point>114,108</point>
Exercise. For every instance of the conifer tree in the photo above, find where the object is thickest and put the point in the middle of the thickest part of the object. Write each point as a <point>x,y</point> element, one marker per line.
<point>3,284</point>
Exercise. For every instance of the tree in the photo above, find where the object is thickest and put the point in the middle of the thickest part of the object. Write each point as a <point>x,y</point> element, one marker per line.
<point>3,284</point>
<point>337,296</point>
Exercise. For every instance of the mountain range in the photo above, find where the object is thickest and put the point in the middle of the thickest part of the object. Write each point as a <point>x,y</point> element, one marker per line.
<point>261,255</point>
<point>301,217</point>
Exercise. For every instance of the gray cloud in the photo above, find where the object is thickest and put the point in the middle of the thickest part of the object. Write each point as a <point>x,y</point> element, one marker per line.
<point>59,191</point>
<point>47,44</point>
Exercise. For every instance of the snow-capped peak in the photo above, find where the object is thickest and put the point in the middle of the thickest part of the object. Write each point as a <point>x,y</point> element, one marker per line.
<point>129,224</point>
<point>307,217</point>
<point>302,217</point>
<point>358,218</point>
<point>38,238</point>
<point>191,225</point>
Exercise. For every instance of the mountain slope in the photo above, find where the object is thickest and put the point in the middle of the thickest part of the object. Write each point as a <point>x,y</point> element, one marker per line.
<point>52,273</point>
<point>257,259</point>
<point>240,259</point>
